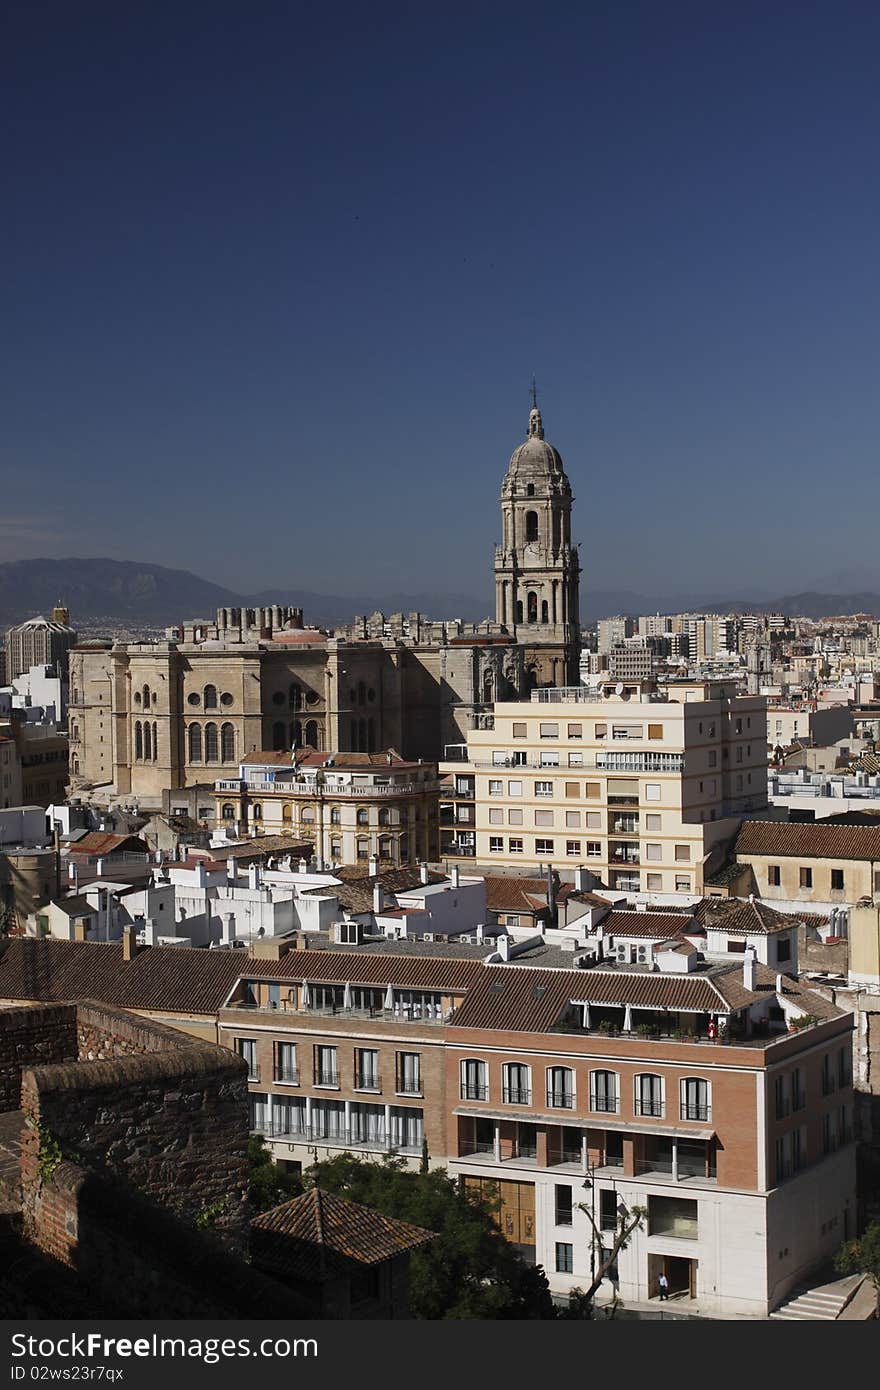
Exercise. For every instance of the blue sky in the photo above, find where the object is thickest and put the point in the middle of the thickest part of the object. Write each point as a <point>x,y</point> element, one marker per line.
<point>277,276</point>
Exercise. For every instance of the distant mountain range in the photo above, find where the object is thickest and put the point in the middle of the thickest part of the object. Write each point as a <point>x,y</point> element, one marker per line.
<point>129,592</point>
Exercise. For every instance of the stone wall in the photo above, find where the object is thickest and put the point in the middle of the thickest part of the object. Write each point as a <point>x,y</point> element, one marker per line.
<point>33,1036</point>
<point>139,1261</point>
<point>164,1112</point>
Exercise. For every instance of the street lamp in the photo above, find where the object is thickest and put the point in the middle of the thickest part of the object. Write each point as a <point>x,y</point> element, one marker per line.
<point>590,1186</point>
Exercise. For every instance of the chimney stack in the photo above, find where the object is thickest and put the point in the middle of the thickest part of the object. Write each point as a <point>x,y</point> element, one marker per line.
<point>378,897</point>
<point>504,947</point>
<point>423,872</point>
<point>129,942</point>
<point>580,879</point>
<point>230,873</point>
<point>749,968</point>
<point>253,876</point>
<point>373,866</point>
<point>456,876</point>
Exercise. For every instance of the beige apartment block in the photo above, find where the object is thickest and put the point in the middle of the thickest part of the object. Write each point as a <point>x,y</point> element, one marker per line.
<point>351,806</point>
<point>811,862</point>
<point>640,786</point>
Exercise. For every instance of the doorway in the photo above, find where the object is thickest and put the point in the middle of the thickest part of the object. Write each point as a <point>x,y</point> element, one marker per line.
<point>681,1274</point>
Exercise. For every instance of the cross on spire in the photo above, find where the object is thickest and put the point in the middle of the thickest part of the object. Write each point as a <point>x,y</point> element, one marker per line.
<point>534,395</point>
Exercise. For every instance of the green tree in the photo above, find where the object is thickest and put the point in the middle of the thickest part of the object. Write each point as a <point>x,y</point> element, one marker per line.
<point>470,1270</point>
<point>268,1185</point>
<point>862,1256</point>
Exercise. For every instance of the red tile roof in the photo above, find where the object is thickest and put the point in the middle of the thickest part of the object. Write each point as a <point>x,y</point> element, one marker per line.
<point>809,840</point>
<point>321,1235</point>
<point>97,842</point>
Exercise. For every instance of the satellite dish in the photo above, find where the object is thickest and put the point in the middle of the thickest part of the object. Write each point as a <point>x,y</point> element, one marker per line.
<point>619,688</point>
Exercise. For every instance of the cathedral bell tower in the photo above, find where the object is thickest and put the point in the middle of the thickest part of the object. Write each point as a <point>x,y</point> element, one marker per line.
<point>536,567</point>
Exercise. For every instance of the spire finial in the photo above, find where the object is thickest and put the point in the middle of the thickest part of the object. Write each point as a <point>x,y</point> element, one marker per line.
<point>536,424</point>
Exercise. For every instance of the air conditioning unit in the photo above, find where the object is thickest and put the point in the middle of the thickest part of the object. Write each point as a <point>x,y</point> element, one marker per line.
<point>428,936</point>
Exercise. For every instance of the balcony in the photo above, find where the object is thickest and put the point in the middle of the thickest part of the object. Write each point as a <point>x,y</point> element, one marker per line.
<point>623,825</point>
<point>327,1077</point>
<point>604,1105</point>
<point>516,1095</point>
<point>287,1076</point>
<point>468,1148</point>
<point>407,1086</point>
<point>367,1081</point>
<point>560,1100</point>
<point>655,1109</point>
<point>623,854</point>
<point>475,1091</point>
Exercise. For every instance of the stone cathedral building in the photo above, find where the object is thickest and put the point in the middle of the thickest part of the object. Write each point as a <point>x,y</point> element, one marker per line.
<point>148,717</point>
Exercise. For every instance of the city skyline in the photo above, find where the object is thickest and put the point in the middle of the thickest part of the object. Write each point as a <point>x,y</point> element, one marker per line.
<point>242,278</point>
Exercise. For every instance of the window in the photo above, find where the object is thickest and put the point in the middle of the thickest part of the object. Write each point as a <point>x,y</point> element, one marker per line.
<point>713,758</point>
<point>655,883</point>
<point>649,1095</point>
<point>228,812</point>
<point>363,816</point>
<point>594,849</point>
<point>844,1067</point>
<point>496,844</point>
<point>695,1099</point>
<point>514,846</point>
<point>601,731</point>
<point>514,789</point>
<point>326,1069</point>
<point>409,1074</point>
<point>655,731</point>
<point>783,948</point>
<point>806,878</point>
<point>682,883</point>
<point>607,1209</point>
<point>573,820</point>
<point>773,875</point>
<point>474,1080</point>
<point>829,1080</point>
<point>496,786</point>
<point>573,847</point>
<point>560,1088</point>
<point>543,789</point>
<point>652,791</point>
<point>564,1258</point>
<point>257,812</point>
<point>798,1089</point>
<point>209,697</point>
<point>247,1049</point>
<point>837,880</point>
<point>564,1205</point>
<point>195,743</point>
<point>573,790</point>
<point>653,821</point>
<point>548,730</point>
<point>682,854</point>
<point>653,851</point>
<point>496,815</point>
<point>575,731</point>
<point>575,759</point>
<point>366,1069</point>
<point>520,730</point>
<point>515,816</point>
<point>604,1092</point>
<point>517,1084</point>
<point>672,1216</point>
<point>543,846</point>
<point>285,1063</point>
<point>781,1097</point>
<point>212,744</point>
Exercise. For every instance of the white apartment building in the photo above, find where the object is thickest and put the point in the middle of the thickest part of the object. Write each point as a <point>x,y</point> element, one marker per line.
<point>639,785</point>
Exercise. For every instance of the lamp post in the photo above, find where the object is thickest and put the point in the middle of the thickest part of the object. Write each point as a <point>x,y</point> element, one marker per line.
<point>590,1186</point>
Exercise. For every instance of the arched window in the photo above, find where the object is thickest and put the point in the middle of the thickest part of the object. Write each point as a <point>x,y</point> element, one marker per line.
<point>531,526</point>
<point>533,606</point>
<point>227,743</point>
<point>363,849</point>
<point>155,742</point>
<point>295,696</point>
<point>212,746</point>
<point>257,812</point>
<point>138,740</point>
<point>403,848</point>
<point>312,733</point>
<point>696,1099</point>
<point>307,815</point>
<point>517,1083</point>
<point>146,697</point>
<point>363,816</point>
<point>385,847</point>
<point>195,743</point>
<point>474,1079</point>
<point>649,1099</point>
<point>279,736</point>
<point>287,813</point>
<point>604,1092</point>
<point>209,698</point>
<point>148,751</point>
<point>335,816</point>
<point>74,766</point>
<point>228,812</point>
<point>560,1088</point>
<point>545,615</point>
<point>519,611</point>
<point>384,815</point>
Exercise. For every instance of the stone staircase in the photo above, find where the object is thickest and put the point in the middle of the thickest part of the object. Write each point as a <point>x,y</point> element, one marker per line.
<point>822,1304</point>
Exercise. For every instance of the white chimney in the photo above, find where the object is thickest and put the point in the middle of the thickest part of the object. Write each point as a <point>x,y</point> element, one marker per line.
<point>230,873</point>
<point>749,968</point>
<point>580,879</point>
<point>456,876</point>
<point>378,897</point>
<point>479,933</point>
<point>253,876</point>
<point>504,947</point>
<point>201,874</point>
<point>99,868</point>
<point>780,984</point>
<point>373,866</point>
<point>423,872</point>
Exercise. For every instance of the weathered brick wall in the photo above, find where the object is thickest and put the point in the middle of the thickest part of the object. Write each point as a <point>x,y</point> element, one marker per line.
<point>140,1261</point>
<point>172,1122</point>
<point>33,1037</point>
<point>814,954</point>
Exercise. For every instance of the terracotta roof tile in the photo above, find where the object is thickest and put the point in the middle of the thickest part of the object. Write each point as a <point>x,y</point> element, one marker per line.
<point>741,917</point>
<point>320,1235</point>
<point>809,840</point>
